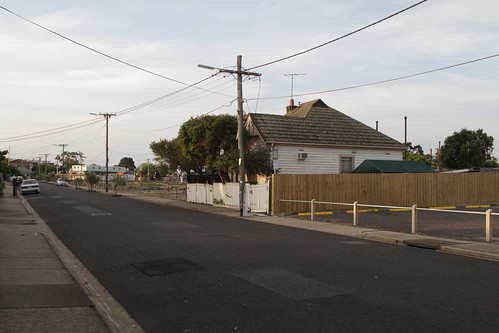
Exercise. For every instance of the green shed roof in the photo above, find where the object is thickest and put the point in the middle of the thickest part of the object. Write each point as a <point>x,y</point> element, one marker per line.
<point>383,166</point>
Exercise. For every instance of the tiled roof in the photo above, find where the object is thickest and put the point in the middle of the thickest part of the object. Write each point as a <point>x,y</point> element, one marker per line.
<point>316,123</point>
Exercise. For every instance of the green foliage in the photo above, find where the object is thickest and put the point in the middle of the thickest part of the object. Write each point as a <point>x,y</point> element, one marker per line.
<point>415,154</point>
<point>201,140</point>
<point>92,179</point>
<point>127,162</point>
<point>227,165</point>
<point>467,149</point>
<point>5,169</point>
<point>258,162</point>
<point>169,152</point>
<point>118,182</point>
<point>206,149</point>
<point>78,182</point>
<point>218,201</point>
<point>69,159</point>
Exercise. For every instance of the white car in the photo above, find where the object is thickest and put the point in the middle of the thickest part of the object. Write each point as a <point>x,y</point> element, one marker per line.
<point>61,182</point>
<point>29,186</point>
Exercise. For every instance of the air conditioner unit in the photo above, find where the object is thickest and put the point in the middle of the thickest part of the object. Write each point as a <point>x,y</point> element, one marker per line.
<point>302,155</point>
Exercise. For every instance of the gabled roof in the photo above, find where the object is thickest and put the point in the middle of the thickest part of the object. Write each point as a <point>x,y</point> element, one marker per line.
<point>381,166</point>
<point>316,123</point>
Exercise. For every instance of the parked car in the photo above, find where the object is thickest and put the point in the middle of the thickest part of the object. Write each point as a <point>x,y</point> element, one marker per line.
<point>18,179</point>
<point>61,182</point>
<point>29,186</point>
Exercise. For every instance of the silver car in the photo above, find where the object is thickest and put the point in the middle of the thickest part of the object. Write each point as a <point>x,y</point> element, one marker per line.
<point>61,182</point>
<point>29,186</point>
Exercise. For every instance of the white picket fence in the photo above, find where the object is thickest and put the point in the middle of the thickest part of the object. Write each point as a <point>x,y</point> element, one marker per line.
<point>228,195</point>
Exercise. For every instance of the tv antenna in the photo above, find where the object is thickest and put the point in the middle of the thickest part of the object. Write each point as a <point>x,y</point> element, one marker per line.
<point>292,75</point>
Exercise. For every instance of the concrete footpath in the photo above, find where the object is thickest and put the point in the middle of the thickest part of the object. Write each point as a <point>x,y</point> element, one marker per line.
<point>45,288</point>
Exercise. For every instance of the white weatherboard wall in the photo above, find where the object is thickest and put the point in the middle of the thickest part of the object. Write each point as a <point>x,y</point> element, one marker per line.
<point>326,160</point>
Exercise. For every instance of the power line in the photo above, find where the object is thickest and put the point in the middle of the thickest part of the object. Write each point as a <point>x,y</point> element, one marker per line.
<point>176,125</point>
<point>388,80</point>
<point>92,49</point>
<point>67,128</point>
<point>105,54</point>
<point>338,38</point>
<point>53,131</point>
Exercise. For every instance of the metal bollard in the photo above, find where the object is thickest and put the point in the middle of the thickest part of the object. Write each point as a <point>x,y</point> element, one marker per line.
<point>414,219</point>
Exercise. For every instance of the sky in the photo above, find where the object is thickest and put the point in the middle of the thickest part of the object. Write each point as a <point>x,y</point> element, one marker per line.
<point>50,85</point>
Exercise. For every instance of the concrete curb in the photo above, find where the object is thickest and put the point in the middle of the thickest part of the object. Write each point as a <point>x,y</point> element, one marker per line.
<point>113,314</point>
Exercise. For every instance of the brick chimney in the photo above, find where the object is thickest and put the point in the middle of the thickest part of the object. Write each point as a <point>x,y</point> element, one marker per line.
<point>291,106</point>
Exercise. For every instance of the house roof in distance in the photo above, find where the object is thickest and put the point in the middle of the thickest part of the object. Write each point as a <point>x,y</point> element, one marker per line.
<point>316,123</point>
<point>382,166</point>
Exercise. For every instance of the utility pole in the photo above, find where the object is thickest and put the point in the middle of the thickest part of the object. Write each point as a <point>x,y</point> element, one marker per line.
<point>107,116</point>
<point>45,164</point>
<point>39,168</point>
<point>63,145</point>
<point>243,209</point>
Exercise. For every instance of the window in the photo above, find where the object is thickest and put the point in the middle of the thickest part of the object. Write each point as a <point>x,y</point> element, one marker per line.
<point>346,164</point>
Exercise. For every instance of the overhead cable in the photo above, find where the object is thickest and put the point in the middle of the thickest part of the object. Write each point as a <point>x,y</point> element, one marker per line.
<point>102,53</point>
<point>387,80</point>
<point>336,39</point>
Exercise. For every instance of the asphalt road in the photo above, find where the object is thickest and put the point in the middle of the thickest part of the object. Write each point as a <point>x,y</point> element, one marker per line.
<point>177,270</point>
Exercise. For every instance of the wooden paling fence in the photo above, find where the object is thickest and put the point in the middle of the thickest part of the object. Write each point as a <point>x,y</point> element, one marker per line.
<point>423,190</point>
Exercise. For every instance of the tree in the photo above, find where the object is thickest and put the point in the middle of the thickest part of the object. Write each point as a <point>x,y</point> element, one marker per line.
<point>227,165</point>
<point>258,162</point>
<point>416,153</point>
<point>5,169</point>
<point>169,152</point>
<point>118,182</point>
<point>202,140</point>
<point>127,162</point>
<point>91,179</point>
<point>69,159</point>
<point>206,150</point>
<point>467,149</point>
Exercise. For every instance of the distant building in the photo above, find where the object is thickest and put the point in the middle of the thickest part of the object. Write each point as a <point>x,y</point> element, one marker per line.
<point>23,166</point>
<point>78,171</point>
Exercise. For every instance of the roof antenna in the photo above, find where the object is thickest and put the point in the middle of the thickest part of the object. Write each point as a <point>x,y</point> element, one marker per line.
<point>292,80</point>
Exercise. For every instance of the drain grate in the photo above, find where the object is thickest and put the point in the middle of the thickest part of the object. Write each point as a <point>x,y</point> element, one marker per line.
<point>429,243</point>
<point>166,266</point>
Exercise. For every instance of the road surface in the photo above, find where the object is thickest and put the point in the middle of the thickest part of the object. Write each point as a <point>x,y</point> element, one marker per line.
<point>178,270</point>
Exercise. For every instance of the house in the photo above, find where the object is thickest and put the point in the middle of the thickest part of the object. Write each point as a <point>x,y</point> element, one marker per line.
<point>78,171</point>
<point>24,167</point>
<point>313,138</point>
<point>384,166</point>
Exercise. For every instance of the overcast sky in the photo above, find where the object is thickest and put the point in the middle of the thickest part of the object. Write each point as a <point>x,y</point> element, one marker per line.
<point>49,85</point>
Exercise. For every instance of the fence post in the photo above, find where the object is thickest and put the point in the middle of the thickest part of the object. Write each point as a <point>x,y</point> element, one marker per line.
<point>355,213</point>
<point>488,225</point>
<point>312,209</point>
<point>414,219</point>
